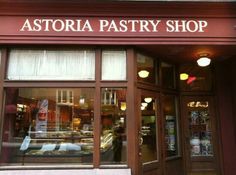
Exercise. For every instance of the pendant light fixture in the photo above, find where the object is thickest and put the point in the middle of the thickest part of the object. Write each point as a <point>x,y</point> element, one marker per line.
<point>203,61</point>
<point>183,76</point>
<point>143,74</point>
<point>148,99</point>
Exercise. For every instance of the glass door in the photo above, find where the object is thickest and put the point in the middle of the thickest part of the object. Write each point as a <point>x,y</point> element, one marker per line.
<point>199,130</point>
<point>149,133</point>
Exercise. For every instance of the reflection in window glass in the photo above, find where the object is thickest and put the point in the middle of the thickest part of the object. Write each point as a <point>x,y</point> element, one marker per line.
<point>171,125</point>
<point>146,69</point>
<point>113,65</point>
<point>41,128</point>
<point>149,129</point>
<point>113,122</point>
<point>168,75</point>
<point>195,78</point>
<point>51,65</point>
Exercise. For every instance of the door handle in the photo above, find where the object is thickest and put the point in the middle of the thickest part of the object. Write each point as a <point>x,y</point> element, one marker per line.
<point>140,141</point>
<point>140,138</point>
<point>140,146</point>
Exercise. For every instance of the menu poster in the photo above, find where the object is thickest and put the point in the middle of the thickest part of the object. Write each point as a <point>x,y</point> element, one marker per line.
<point>41,118</point>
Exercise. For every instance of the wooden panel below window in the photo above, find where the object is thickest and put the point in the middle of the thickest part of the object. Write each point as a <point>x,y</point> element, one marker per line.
<point>152,172</point>
<point>203,166</point>
<point>203,173</point>
<point>174,167</point>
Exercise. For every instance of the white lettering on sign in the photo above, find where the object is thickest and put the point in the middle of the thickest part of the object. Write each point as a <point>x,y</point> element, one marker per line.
<point>123,25</point>
<point>185,26</point>
<point>57,25</point>
<point>113,25</point>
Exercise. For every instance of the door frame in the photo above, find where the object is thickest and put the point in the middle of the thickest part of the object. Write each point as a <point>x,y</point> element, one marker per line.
<point>214,160</point>
<point>156,165</point>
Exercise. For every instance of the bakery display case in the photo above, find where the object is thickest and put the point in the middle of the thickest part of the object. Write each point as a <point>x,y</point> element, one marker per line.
<point>55,146</point>
<point>61,144</point>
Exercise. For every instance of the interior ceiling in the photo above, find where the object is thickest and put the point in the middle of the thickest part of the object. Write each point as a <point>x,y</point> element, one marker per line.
<point>189,53</point>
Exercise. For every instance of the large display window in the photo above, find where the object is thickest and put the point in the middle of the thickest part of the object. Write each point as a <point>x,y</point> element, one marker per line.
<point>48,125</point>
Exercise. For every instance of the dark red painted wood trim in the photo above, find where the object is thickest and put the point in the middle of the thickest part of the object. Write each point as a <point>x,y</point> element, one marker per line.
<point>118,8</point>
<point>116,41</point>
<point>63,8</point>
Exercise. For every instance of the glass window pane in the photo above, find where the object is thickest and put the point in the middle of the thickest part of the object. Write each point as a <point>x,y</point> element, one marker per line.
<point>149,129</point>
<point>113,65</point>
<point>171,125</point>
<point>195,78</point>
<point>168,75</point>
<point>113,123</point>
<point>200,128</point>
<point>51,65</point>
<point>146,69</point>
<point>40,129</point>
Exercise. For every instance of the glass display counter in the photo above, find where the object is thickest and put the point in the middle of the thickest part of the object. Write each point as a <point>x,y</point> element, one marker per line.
<point>62,144</point>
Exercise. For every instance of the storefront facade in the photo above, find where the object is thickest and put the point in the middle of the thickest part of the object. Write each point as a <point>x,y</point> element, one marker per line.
<point>114,88</point>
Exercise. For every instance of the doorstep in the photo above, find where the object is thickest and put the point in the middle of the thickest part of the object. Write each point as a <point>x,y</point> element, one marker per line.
<point>126,171</point>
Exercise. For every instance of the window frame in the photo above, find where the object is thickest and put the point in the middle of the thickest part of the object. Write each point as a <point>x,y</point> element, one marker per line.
<point>161,90</point>
<point>158,130</point>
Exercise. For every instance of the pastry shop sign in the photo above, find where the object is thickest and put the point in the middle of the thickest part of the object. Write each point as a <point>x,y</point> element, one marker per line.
<point>118,25</point>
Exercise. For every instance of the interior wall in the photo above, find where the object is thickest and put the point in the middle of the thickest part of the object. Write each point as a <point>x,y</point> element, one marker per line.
<point>226,96</point>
